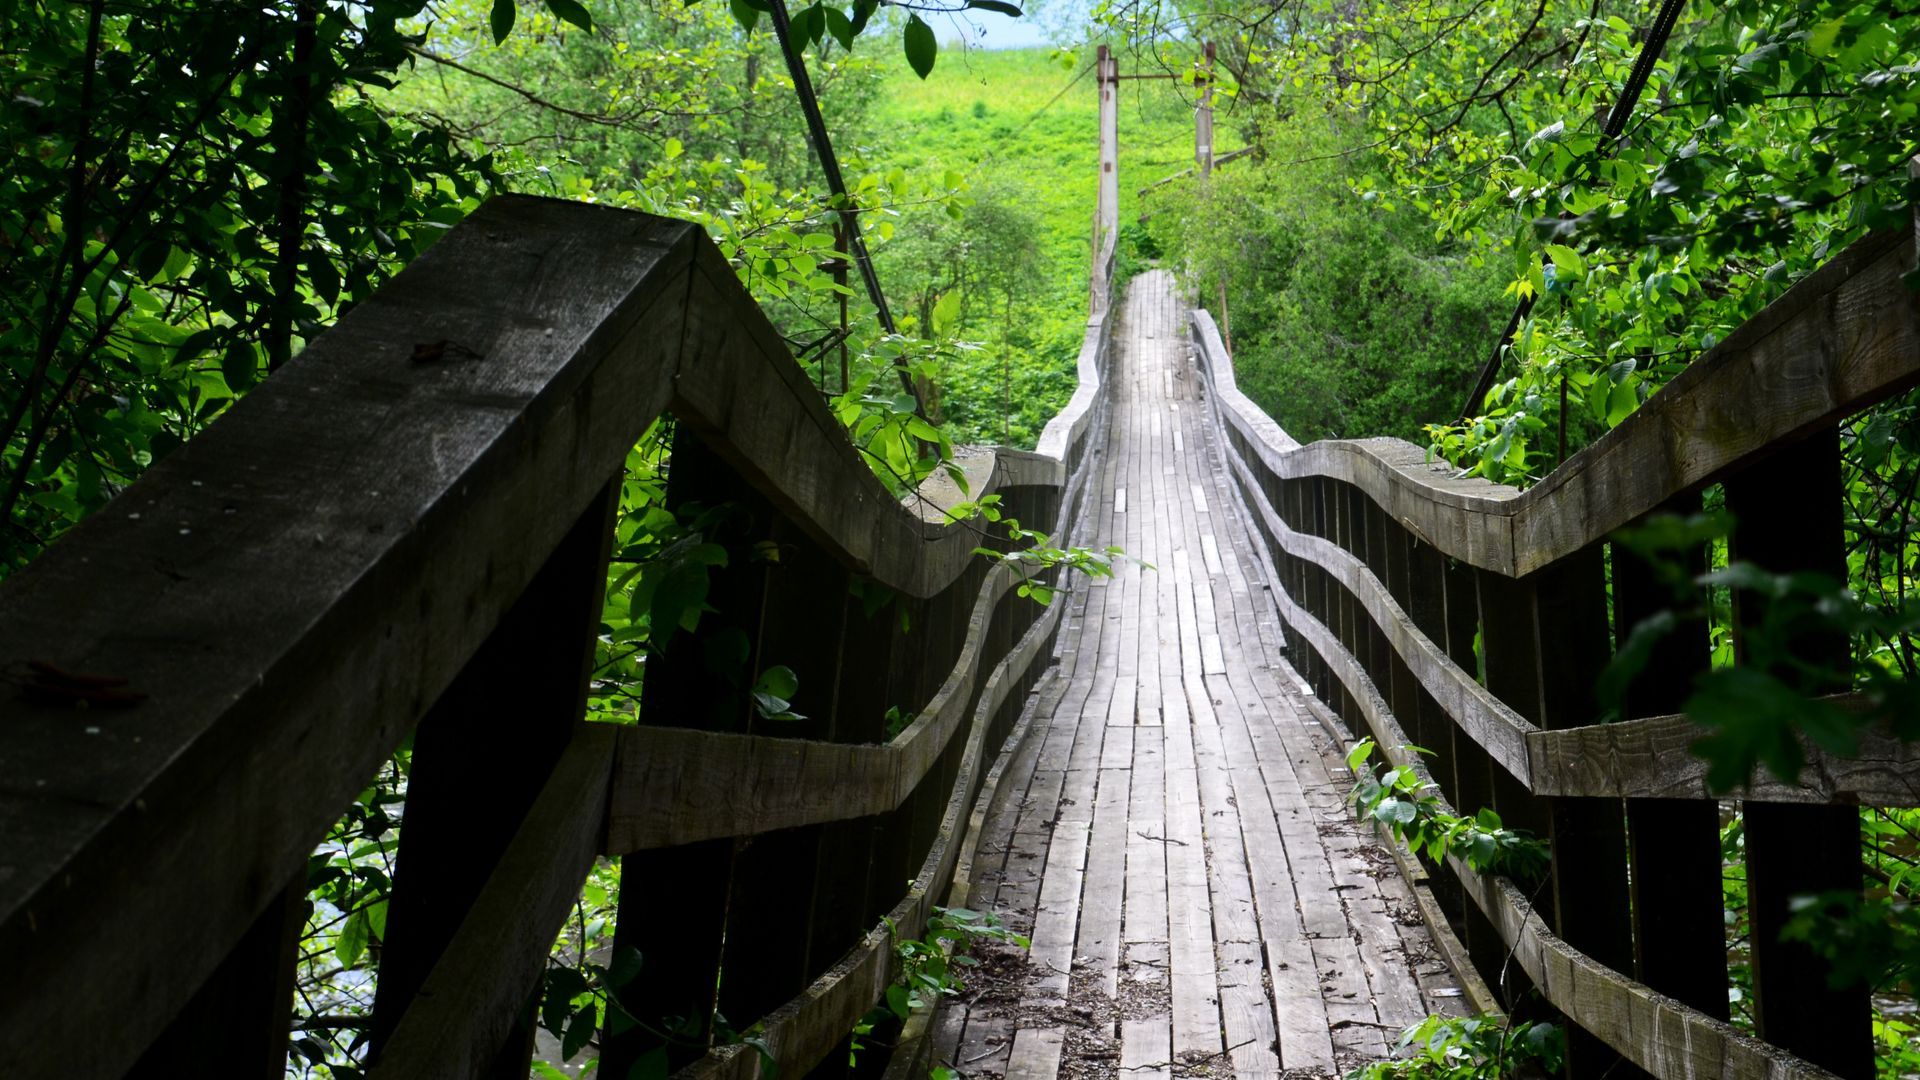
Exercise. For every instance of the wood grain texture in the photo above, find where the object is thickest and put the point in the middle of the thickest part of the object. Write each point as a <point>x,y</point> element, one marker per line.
<point>470,1001</point>
<point>1650,758</point>
<point>1641,758</point>
<point>1490,722</point>
<point>1659,1034</point>
<point>1167,822</point>
<point>418,504</point>
<point>678,785</point>
<point>803,1030</point>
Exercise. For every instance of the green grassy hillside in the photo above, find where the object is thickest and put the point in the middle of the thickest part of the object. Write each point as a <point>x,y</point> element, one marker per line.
<point>1028,143</point>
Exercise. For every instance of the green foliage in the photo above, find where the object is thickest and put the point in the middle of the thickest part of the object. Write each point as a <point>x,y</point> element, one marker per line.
<point>1758,711</point>
<point>1768,136</point>
<point>929,968</point>
<point>1470,1048</point>
<point>928,963</point>
<point>1399,800</point>
<point>1037,561</point>
<point>1347,319</point>
<point>1015,249</point>
<point>190,192</point>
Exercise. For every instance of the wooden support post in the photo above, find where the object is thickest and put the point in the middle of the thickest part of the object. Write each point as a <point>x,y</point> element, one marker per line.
<point>237,1024</point>
<point>1402,690</point>
<point>1568,601</point>
<point>1787,512</point>
<point>778,877</point>
<point>1510,652</point>
<point>1426,604</point>
<point>1380,658</point>
<point>482,756</point>
<point>1673,845</point>
<point>1107,209</point>
<point>673,901</point>
<point>1203,116</point>
<point>1473,770</point>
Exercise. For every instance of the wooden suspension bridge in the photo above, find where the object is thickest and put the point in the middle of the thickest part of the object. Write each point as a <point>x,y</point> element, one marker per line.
<point>1147,774</point>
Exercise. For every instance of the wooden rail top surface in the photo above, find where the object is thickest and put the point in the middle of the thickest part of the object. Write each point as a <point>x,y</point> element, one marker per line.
<point>291,590</point>
<point>1844,338</point>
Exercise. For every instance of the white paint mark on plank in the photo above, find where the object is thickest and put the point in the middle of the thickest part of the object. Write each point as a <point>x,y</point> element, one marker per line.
<point>1119,500</point>
<point>1212,660</point>
<point>1179,443</point>
<point>1199,499</point>
<point>1146,1048</point>
<point>1059,915</point>
<point>1210,553</point>
<point>1036,1054</point>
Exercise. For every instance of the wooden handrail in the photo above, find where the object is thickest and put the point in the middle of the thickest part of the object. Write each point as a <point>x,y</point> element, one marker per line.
<point>321,564</point>
<point>1844,338</point>
<point>1494,655</point>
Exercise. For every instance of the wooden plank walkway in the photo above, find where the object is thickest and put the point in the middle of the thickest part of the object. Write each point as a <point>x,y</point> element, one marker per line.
<point>1173,833</point>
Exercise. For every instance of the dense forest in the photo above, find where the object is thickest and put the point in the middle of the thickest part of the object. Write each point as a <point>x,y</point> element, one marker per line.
<point>1491,227</point>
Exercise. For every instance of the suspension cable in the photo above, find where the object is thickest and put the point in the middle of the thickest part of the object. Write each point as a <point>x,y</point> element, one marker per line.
<point>837,184</point>
<point>1616,125</point>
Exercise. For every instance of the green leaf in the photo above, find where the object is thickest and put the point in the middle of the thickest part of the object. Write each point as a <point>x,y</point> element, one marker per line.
<point>946,310</point>
<point>779,680</point>
<point>862,11</point>
<point>995,5</point>
<point>843,32</point>
<point>579,1033</point>
<point>573,12</point>
<point>626,964</point>
<point>808,25</point>
<point>745,14</point>
<point>500,21</point>
<point>352,942</point>
<point>920,45</point>
<point>1359,754</point>
<point>1567,263</point>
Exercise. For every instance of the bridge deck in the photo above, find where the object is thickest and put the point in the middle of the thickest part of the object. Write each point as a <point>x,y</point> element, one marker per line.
<point>1173,832</point>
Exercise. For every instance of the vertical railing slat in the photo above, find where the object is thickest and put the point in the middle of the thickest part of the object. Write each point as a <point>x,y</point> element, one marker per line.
<point>1788,517</point>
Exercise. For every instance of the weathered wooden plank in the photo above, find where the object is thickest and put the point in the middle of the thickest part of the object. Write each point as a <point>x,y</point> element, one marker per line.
<point>482,757</point>
<point>408,497</point>
<point>475,994</point>
<point>1649,758</point>
<point>1146,1050</point>
<point>678,785</point>
<point>1791,850</point>
<point>1490,722</point>
<point>1036,1054</point>
<point>1098,940</point>
<point>1655,1032</point>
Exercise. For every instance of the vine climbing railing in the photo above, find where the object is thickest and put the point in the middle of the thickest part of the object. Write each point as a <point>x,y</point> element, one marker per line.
<point>1475,620</point>
<point>406,533</point>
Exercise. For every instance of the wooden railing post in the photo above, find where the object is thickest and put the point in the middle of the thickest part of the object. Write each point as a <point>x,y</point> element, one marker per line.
<point>1403,691</point>
<point>1510,650</point>
<point>480,758</point>
<point>1673,845</point>
<point>1320,594</point>
<point>1788,517</point>
<point>673,901</point>
<point>1568,601</point>
<point>238,1023</point>
<point>1426,603</point>
<point>768,957</point>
